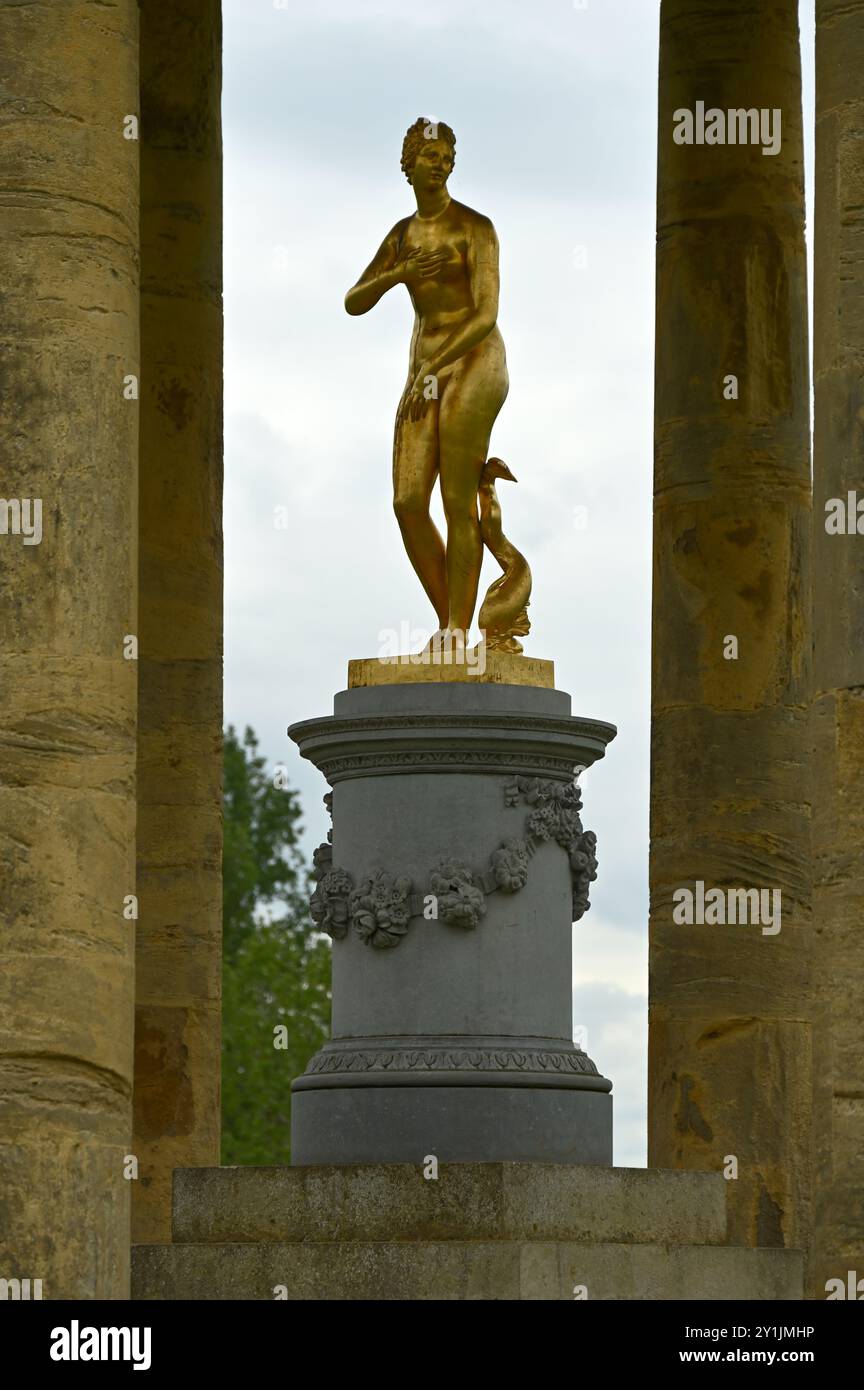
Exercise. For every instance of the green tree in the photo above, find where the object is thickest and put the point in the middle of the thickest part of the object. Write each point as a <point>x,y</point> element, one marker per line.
<point>276,967</point>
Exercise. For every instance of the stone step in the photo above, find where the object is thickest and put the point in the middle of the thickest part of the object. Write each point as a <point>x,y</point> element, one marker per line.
<point>467,1202</point>
<point>457,1269</point>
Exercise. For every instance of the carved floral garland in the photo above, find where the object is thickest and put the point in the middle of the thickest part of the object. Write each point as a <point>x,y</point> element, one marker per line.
<point>381,906</point>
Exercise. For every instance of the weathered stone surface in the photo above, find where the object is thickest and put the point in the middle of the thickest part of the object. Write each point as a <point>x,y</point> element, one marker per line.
<point>730,1008</point>
<point>177,1052</point>
<point>701,1115</point>
<point>660,1272</point>
<point>838,637</point>
<point>478,1231</point>
<point>384,1271</point>
<point>68,338</point>
<point>468,1201</point>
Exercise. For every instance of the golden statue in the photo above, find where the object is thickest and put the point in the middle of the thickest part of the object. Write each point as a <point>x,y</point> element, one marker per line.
<point>446,254</point>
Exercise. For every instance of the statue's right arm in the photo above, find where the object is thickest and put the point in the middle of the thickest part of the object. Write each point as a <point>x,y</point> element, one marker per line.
<point>380,275</point>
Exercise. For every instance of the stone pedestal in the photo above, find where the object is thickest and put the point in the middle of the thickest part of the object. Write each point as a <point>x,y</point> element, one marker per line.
<point>458,863</point>
<point>478,1231</point>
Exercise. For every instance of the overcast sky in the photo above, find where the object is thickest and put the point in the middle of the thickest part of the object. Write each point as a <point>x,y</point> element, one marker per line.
<point>554,109</point>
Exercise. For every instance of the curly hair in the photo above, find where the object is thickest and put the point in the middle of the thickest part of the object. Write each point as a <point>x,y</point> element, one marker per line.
<point>416,134</point>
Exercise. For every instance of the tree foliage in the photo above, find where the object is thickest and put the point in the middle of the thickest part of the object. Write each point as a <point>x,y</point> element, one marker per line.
<point>276,967</point>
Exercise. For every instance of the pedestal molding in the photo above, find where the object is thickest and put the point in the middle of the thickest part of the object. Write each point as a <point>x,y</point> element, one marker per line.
<point>504,1061</point>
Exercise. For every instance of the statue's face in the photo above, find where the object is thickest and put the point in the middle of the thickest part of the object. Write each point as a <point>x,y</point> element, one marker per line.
<point>432,165</point>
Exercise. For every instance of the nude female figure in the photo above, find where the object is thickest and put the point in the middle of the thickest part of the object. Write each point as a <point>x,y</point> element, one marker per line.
<point>447,256</point>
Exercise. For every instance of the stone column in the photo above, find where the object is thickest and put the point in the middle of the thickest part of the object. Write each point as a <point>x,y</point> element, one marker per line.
<point>458,863</point>
<point>838,604</point>
<point>177,1039</point>
<point>730,1005</point>
<point>69,438</point>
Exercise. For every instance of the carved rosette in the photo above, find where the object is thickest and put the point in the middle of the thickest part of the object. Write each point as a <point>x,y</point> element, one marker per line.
<point>460,902</point>
<point>583,869</point>
<point>510,865</point>
<point>380,910</point>
<point>555,816</point>
<point>556,812</point>
<point>328,905</point>
<point>381,906</point>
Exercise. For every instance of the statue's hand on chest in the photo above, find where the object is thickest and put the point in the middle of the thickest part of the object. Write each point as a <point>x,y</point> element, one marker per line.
<point>427,260</point>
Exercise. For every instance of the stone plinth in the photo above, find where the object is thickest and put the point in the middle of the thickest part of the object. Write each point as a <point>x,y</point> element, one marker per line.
<point>458,865</point>
<point>479,667</point>
<point>477,1231</point>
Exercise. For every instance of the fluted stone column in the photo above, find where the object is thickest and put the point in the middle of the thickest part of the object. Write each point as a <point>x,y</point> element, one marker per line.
<point>838,599</point>
<point>177,1044</point>
<point>730,1036</point>
<point>68,437</point>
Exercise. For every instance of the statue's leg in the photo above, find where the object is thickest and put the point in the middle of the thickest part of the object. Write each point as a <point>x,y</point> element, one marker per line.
<point>415,468</point>
<point>469,404</point>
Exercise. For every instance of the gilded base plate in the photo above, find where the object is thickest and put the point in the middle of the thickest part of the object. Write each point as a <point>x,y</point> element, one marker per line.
<point>479,666</point>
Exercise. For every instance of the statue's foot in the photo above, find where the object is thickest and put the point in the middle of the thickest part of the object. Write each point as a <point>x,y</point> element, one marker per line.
<point>446,646</point>
<point>435,643</point>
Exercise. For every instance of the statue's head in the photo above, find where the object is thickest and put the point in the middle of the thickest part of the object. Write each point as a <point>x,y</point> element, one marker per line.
<point>428,153</point>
